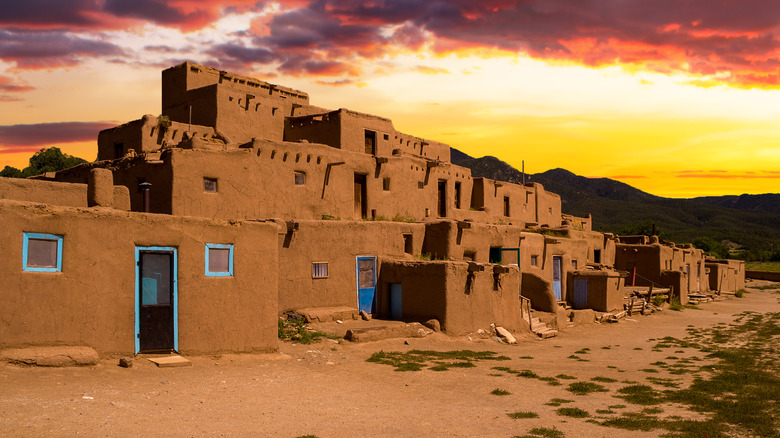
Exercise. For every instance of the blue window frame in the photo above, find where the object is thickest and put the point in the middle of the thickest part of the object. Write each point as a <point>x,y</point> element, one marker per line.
<point>42,252</point>
<point>219,260</point>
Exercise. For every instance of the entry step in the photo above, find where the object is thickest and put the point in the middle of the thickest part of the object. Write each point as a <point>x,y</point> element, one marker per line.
<point>170,361</point>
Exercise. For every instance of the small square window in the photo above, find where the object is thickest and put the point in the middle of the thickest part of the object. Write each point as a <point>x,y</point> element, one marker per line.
<point>210,185</point>
<point>319,270</point>
<point>42,252</point>
<point>219,260</point>
<point>386,137</point>
<point>300,178</point>
<point>534,260</point>
<point>386,184</point>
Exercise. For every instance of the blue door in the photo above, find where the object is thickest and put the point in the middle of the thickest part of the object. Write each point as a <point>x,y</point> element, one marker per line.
<point>366,283</point>
<point>580,293</point>
<point>395,301</point>
<point>557,278</point>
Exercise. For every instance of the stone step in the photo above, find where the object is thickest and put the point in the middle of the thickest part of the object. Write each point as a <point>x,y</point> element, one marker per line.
<point>549,333</point>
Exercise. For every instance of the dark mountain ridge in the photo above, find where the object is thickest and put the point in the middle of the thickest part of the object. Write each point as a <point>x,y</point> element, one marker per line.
<point>752,221</point>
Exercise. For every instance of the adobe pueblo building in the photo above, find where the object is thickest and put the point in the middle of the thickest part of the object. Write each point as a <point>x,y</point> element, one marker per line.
<point>195,230</point>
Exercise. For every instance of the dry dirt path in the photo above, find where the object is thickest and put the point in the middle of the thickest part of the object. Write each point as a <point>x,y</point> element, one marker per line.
<point>329,390</point>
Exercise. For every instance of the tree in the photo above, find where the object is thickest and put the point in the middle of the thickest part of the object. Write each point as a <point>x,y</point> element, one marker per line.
<point>709,245</point>
<point>646,228</point>
<point>45,160</point>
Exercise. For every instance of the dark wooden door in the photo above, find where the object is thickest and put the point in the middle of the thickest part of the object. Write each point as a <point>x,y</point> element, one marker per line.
<point>361,207</point>
<point>155,290</point>
<point>442,198</point>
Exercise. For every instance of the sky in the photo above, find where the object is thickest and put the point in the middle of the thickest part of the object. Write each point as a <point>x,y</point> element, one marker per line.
<point>679,98</point>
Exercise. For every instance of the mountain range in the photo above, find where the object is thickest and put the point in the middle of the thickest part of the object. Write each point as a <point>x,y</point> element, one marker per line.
<point>751,222</point>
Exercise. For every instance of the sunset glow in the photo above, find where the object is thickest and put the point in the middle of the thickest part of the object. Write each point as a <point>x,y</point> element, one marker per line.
<point>677,98</point>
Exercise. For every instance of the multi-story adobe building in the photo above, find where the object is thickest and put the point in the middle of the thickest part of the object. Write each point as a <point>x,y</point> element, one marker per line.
<point>195,229</point>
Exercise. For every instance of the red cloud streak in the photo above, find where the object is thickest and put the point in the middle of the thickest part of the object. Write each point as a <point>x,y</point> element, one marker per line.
<point>16,138</point>
<point>729,42</point>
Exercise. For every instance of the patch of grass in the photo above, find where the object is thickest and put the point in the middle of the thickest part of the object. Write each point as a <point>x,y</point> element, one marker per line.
<point>520,415</point>
<point>544,432</point>
<point>607,347</point>
<point>667,383</point>
<point>307,436</point>
<point>584,388</point>
<point>573,412</point>
<point>528,374</point>
<point>652,411</point>
<point>616,406</point>
<point>558,401</point>
<point>658,300</point>
<point>565,377</point>
<point>526,357</point>
<point>296,331</point>
<point>739,293</point>
<point>675,305</point>
<point>603,379</point>
<point>499,391</point>
<point>604,411</point>
<point>416,360</point>
<point>640,395</point>
<point>637,348</point>
<point>649,370</point>
<point>552,381</point>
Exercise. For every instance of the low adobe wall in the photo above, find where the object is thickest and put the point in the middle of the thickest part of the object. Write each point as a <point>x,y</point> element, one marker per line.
<point>763,275</point>
<point>92,300</point>
<point>462,299</point>
<point>60,193</point>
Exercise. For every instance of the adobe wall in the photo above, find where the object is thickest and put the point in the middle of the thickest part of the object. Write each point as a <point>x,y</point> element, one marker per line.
<point>601,242</point>
<point>154,168</point>
<point>657,264</point>
<point>145,135</point>
<point>726,275</point>
<point>463,300</point>
<point>529,205</point>
<point>763,275</point>
<point>92,300</point>
<point>238,107</point>
<point>62,194</point>
<point>338,243</point>
<point>605,289</point>
<point>259,182</point>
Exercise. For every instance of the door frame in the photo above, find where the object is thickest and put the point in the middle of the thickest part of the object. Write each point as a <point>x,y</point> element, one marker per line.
<point>357,280</point>
<point>560,277</point>
<point>136,295</point>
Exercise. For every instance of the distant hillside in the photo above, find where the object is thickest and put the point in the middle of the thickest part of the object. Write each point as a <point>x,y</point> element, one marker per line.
<point>616,206</point>
<point>769,202</point>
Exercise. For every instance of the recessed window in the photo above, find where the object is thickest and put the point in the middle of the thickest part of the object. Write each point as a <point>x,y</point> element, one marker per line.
<point>408,243</point>
<point>386,137</point>
<point>319,270</point>
<point>574,264</point>
<point>210,185</point>
<point>596,256</point>
<point>534,260</point>
<point>386,184</point>
<point>300,178</point>
<point>219,260</point>
<point>506,206</point>
<point>42,252</point>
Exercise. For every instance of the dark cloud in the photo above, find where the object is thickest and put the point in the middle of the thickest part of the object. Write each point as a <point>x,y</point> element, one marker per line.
<point>50,48</point>
<point>48,134</point>
<point>50,13</point>
<point>159,12</point>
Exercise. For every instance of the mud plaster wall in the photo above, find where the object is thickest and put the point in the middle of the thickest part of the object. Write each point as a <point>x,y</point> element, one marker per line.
<point>130,172</point>
<point>56,193</point>
<point>440,290</point>
<point>145,135</point>
<point>605,289</point>
<point>528,205</point>
<point>597,242</point>
<point>338,243</point>
<point>259,182</point>
<point>726,275</point>
<point>91,302</point>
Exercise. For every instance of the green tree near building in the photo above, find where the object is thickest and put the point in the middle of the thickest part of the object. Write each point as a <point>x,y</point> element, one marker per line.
<point>45,160</point>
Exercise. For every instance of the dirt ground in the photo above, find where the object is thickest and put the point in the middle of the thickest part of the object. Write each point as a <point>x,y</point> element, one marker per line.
<point>328,389</point>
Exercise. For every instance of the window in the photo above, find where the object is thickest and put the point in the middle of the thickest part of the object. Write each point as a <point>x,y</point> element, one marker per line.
<point>386,137</point>
<point>219,260</point>
<point>210,185</point>
<point>574,264</point>
<point>457,194</point>
<point>408,243</point>
<point>370,142</point>
<point>300,178</point>
<point>506,206</point>
<point>596,256</point>
<point>319,270</point>
<point>386,184</point>
<point>119,150</point>
<point>42,252</point>
<point>534,260</point>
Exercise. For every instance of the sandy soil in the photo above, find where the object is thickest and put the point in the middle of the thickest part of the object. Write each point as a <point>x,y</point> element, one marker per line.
<point>328,389</point>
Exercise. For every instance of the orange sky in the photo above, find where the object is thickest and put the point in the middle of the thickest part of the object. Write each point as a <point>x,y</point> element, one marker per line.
<point>676,97</point>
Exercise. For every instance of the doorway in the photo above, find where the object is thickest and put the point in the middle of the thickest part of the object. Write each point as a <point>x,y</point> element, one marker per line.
<point>442,198</point>
<point>580,293</point>
<point>156,299</point>
<point>361,206</point>
<point>557,278</point>
<point>366,283</point>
